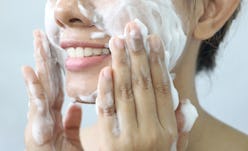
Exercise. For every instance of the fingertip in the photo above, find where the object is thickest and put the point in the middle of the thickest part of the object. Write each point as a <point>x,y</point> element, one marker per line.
<point>73,115</point>
<point>107,73</point>
<point>155,43</point>
<point>75,106</point>
<point>36,32</point>
<point>117,42</point>
<point>28,74</point>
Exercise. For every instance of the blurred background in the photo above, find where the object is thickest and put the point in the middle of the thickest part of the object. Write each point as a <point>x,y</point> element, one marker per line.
<point>223,93</point>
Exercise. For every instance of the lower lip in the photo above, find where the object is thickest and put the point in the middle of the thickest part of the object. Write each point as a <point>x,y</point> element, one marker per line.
<point>78,64</point>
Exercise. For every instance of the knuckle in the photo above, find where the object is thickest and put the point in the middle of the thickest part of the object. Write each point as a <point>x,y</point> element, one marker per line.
<point>125,91</point>
<point>107,111</point>
<point>142,81</point>
<point>152,140</point>
<point>122,60</point>
<point>157,57</point>
<point>162,88</point>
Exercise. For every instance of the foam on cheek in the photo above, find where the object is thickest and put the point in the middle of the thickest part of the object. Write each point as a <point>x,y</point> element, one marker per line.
<point>190,115</point>
<point>52,32</point>
<point>97,35</point>
<point>159,17</point>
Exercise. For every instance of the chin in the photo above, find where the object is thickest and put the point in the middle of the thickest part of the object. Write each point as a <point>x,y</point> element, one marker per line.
<point>83,84</point>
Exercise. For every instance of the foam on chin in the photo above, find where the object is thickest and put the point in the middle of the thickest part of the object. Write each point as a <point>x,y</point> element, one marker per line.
<point>159,17</point>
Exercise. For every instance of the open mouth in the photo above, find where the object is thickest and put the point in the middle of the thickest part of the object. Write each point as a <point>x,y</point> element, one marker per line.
<point>82,55</point>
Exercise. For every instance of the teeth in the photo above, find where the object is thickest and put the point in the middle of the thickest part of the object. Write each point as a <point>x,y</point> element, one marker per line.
<point>79,52</point>
<point>86,52</point>
<point>97,52</point>
<point>105,51</point>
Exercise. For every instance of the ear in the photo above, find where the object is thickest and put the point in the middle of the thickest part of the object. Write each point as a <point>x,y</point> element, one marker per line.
<point>215,14</point>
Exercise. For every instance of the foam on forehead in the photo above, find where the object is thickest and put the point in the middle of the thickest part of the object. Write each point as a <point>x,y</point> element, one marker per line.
<point>158,15</point>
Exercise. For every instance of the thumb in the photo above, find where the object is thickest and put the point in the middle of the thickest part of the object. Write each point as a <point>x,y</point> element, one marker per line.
<point>72,122</point>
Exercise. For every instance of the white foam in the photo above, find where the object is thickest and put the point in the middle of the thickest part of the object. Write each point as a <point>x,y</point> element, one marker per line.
<point>89,98</point>
<point>163,21</point>
<point>42,124</point>
<point>174,146</point>
<point>106,105</point>
<point>97,35</point>
<point>158,16</point>
<point>116,127</point>
<point>42,127</point>
<point>190,115</point>
<point>174,94</point>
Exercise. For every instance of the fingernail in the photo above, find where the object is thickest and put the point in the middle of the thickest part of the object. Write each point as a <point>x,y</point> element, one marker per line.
<point>107,73</point>
<point>134,37</point>
<point>155,43</point>
<point>119,43</point>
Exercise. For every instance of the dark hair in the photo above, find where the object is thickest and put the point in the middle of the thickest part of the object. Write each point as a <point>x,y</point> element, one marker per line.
<point>208,49</point>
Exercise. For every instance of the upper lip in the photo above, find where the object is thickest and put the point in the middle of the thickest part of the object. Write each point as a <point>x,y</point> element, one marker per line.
<point>83,44</point>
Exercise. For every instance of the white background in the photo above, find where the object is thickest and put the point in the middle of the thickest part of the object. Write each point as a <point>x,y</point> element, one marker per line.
<point>223,93</point>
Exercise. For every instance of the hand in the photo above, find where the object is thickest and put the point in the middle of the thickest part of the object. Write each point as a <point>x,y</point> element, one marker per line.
<point>134,100</point>
<point>45,130</point>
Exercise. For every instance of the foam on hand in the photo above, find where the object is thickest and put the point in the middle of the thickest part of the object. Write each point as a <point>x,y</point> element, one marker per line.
<point>42,124</point>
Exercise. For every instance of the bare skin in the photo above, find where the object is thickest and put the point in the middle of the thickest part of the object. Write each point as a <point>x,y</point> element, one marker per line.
<point>207,134</point>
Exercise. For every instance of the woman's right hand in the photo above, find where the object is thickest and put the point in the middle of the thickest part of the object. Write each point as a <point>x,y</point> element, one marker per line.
<point>45,130</point>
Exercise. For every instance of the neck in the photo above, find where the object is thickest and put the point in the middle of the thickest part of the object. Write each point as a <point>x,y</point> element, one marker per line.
<point>185,73</point>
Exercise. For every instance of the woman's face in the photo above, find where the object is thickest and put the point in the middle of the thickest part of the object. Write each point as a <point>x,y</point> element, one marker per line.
<point>83,29</point>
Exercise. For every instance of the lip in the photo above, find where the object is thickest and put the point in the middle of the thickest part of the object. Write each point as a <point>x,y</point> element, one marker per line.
<point>74,44</point>
<point>82,63</point>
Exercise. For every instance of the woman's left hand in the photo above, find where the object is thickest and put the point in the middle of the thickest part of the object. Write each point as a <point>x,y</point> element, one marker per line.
<point>134,100</point>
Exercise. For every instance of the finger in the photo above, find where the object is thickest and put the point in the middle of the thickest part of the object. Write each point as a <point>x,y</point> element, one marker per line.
<point>34,89</point>
<point>72,123</point>
<point>186,115</point>
<point>48,70</point>
<point>40,125</point>
<point>40,60</point>
<point>141,78</point>
<point>124,101</point>
<point>161,82</point>
<point>105,103</point>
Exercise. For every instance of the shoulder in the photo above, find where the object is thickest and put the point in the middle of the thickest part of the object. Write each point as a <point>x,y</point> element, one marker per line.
<point>212,135</point>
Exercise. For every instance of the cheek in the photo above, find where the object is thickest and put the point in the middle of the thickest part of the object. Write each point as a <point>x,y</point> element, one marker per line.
<point>185,11</point>
<point>52,30</point>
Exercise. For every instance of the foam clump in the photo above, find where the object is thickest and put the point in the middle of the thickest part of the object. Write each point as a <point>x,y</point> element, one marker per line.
<point>190,115</point>
<point>158,16</point>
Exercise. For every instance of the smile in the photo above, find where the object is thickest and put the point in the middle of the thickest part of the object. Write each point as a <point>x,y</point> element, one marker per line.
<point>80,52</point>
<point>84,55</point>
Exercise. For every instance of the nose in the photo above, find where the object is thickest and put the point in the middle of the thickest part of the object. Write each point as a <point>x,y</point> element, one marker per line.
<point>67,14</point>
